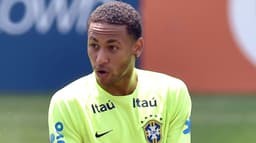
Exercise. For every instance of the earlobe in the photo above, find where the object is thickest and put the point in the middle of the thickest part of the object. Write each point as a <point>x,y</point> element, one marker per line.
<point>138,47</point>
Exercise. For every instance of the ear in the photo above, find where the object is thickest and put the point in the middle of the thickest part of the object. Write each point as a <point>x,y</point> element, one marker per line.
<point>138,47</point>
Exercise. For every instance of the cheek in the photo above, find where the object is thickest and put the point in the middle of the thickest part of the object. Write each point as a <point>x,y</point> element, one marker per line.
<point>125,62</point>
<point>90,55</point>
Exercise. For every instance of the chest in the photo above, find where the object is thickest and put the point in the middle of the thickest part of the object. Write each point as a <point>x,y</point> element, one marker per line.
<point>134,120</point>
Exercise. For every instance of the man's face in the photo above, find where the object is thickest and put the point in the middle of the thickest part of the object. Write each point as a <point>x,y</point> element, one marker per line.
<point>111,52</point>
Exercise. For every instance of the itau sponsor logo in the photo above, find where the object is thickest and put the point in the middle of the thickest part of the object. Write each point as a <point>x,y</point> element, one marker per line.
<point>242,19</point>
<point>98,108</point>
<point>144,103</point>
<point>58,135</point>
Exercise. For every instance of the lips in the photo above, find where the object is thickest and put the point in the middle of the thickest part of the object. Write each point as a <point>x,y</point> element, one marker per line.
<point>102,73</point>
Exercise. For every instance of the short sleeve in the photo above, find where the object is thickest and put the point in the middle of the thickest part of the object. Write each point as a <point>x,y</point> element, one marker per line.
<point>60,123</point>
<point>180,126</point>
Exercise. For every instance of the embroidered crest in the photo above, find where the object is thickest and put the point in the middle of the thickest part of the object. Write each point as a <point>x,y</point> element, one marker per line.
<point>152,130</point>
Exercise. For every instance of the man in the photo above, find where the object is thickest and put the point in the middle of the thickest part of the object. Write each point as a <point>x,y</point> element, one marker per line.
<point>118,103</point>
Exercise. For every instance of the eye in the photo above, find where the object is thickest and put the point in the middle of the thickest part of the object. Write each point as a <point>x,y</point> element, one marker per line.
<point>113,48</point>
<point>94,45</point>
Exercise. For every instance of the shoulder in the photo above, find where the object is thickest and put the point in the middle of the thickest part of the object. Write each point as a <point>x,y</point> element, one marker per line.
<point>75,89</point>
<point>160,79</point>
<point>167,88</point>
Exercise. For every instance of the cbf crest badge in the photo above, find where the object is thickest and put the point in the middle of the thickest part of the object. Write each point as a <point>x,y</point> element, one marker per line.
<point>152,130</point>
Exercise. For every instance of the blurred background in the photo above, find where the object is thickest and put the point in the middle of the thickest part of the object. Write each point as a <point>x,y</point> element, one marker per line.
<point>210,45</point>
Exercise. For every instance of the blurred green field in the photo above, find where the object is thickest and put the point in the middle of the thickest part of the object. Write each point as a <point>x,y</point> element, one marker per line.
<point>224,119</point>
<point>23,119</point>
<point>215,119</point>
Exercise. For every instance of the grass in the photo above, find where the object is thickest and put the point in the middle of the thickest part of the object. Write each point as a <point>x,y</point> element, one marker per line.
<point>23,119</point>
<point>215,119</point>
<point>223,119</point>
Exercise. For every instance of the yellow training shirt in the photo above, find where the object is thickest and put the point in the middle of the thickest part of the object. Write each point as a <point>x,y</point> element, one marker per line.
<point>158,111</point>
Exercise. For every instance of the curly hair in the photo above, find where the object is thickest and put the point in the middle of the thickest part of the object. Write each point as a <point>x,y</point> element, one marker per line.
<point>118,13</point>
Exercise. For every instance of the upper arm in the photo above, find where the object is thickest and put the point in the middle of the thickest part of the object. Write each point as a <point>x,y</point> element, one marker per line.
<point>60,123</point>
<point>179,125</point>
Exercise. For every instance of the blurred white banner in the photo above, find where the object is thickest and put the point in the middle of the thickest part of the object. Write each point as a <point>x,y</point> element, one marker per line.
<point>242,18</point>
<point>43,15</point>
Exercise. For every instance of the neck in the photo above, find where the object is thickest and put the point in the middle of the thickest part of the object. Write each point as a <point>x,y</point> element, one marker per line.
<point>125,86</point>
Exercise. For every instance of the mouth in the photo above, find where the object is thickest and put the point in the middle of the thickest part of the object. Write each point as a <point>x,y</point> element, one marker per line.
<point>101,73</point>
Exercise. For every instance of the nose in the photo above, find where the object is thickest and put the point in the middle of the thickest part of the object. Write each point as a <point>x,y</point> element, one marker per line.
<point>102,57</point>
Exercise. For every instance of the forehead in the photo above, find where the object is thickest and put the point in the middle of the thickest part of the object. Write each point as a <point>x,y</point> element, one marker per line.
<point>107,29</point>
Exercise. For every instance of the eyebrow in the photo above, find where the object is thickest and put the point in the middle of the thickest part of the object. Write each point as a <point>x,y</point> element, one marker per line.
<point>94,39</point>
<point>109,41</point>
<point>112,41</point>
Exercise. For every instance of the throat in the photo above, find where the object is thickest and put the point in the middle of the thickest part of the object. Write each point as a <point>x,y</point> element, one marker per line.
<point>121,91</point>
<point>124,87</point>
